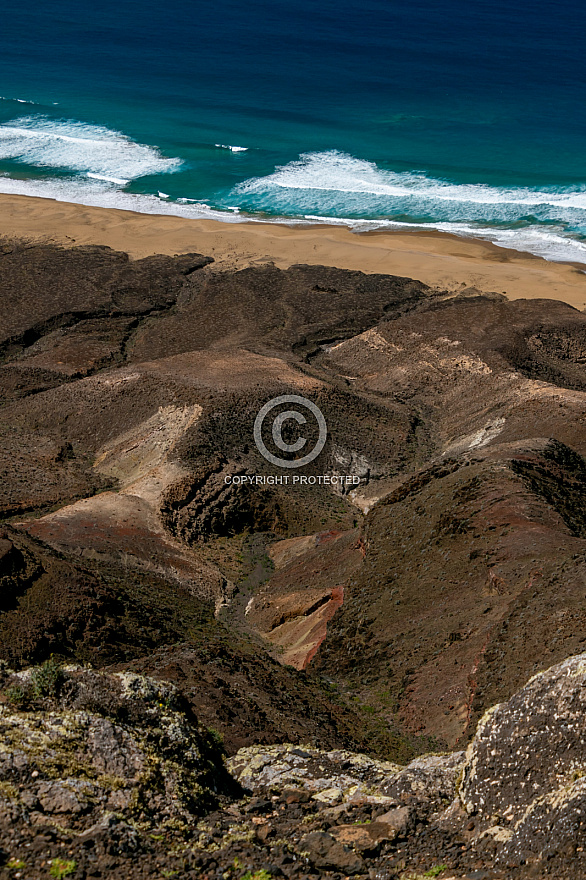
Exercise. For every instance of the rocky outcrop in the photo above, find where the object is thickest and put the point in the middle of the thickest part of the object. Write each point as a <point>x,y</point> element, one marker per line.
<point>525,768</point>
<point>82,742</point>
<point>512,806</point>
<point>112,772</point>
<point>331,777</point>
<point>102,761</point>
<point>345,812</point>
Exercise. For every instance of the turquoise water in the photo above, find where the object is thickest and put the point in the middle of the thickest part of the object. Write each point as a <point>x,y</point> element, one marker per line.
<point>462,117</point>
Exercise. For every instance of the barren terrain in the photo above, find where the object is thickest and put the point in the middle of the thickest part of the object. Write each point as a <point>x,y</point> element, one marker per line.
<point>386,617</point>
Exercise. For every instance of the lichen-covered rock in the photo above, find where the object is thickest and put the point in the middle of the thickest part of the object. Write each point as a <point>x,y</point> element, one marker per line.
<point>553,826</point>
<point>431,779</point>
<point>522,780</point>
<point>76,745</point>
<point>332,777</point>
<point>514,804</point>
<point>339,777</point>
<point>529,747</point>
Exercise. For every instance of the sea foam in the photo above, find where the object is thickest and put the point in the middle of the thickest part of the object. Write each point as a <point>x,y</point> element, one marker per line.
<point>333,187</point>
<point>551,245</point>
<point>329,187</point>
<point>76,146</point>
<point>339,174</point>
<point>102,193</point>
<point>233,149</point>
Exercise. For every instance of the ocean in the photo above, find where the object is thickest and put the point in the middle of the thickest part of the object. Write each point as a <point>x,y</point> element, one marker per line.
<point>461,116</point>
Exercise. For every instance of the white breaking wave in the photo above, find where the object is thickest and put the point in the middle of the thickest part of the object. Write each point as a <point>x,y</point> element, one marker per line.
<point>335,172</point>
<point>101,193</point>
<point>321,188</point>
<point>20,101</point>
<point>231,148</point>
<point>119,180</point>
<point>77,146</point>
<point>333,187</point>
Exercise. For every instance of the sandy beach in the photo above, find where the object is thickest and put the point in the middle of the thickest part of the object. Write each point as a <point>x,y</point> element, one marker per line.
<point>440,260</point>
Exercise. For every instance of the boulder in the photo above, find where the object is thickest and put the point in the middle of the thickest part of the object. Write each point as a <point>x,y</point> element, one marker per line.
<point>332,777</point>
<point>529,747</point>
<point>324,851</point>
<point>430,778</point>
<point>365,838</point>
<point>523,776</point>
<point>76,744</point>
<point>397,822</point>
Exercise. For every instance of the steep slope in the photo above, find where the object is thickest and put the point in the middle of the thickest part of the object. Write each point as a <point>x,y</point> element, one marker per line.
<point>107,774</point>
<point>428,591</point>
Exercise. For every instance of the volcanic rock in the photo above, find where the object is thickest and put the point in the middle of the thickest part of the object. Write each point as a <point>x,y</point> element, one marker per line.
<point>524,767</point>
<point>385,618</point>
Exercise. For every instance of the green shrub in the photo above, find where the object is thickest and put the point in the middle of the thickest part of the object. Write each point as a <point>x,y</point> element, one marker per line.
<point>60,868</point>
<point>17,696</point>
<point>216,738</point>
<point>47,679</point>
<point>433,872</point>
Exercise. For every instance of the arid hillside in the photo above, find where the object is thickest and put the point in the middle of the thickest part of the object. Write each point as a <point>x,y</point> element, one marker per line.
<point>383,616</point>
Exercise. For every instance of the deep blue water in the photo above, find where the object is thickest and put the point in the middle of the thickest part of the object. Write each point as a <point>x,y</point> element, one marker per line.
<point>467,116</point>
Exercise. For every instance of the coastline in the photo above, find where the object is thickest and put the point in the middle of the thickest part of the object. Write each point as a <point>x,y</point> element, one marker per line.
<point>438,259</point>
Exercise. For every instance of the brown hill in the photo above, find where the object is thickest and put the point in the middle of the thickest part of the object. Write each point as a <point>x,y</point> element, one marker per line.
<point>429,592</point>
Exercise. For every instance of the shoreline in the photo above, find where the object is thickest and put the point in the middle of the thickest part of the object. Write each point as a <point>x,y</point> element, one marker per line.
<point>439,259</point>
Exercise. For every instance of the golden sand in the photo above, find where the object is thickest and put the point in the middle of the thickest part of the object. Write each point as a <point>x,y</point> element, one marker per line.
<point>440,260</point>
